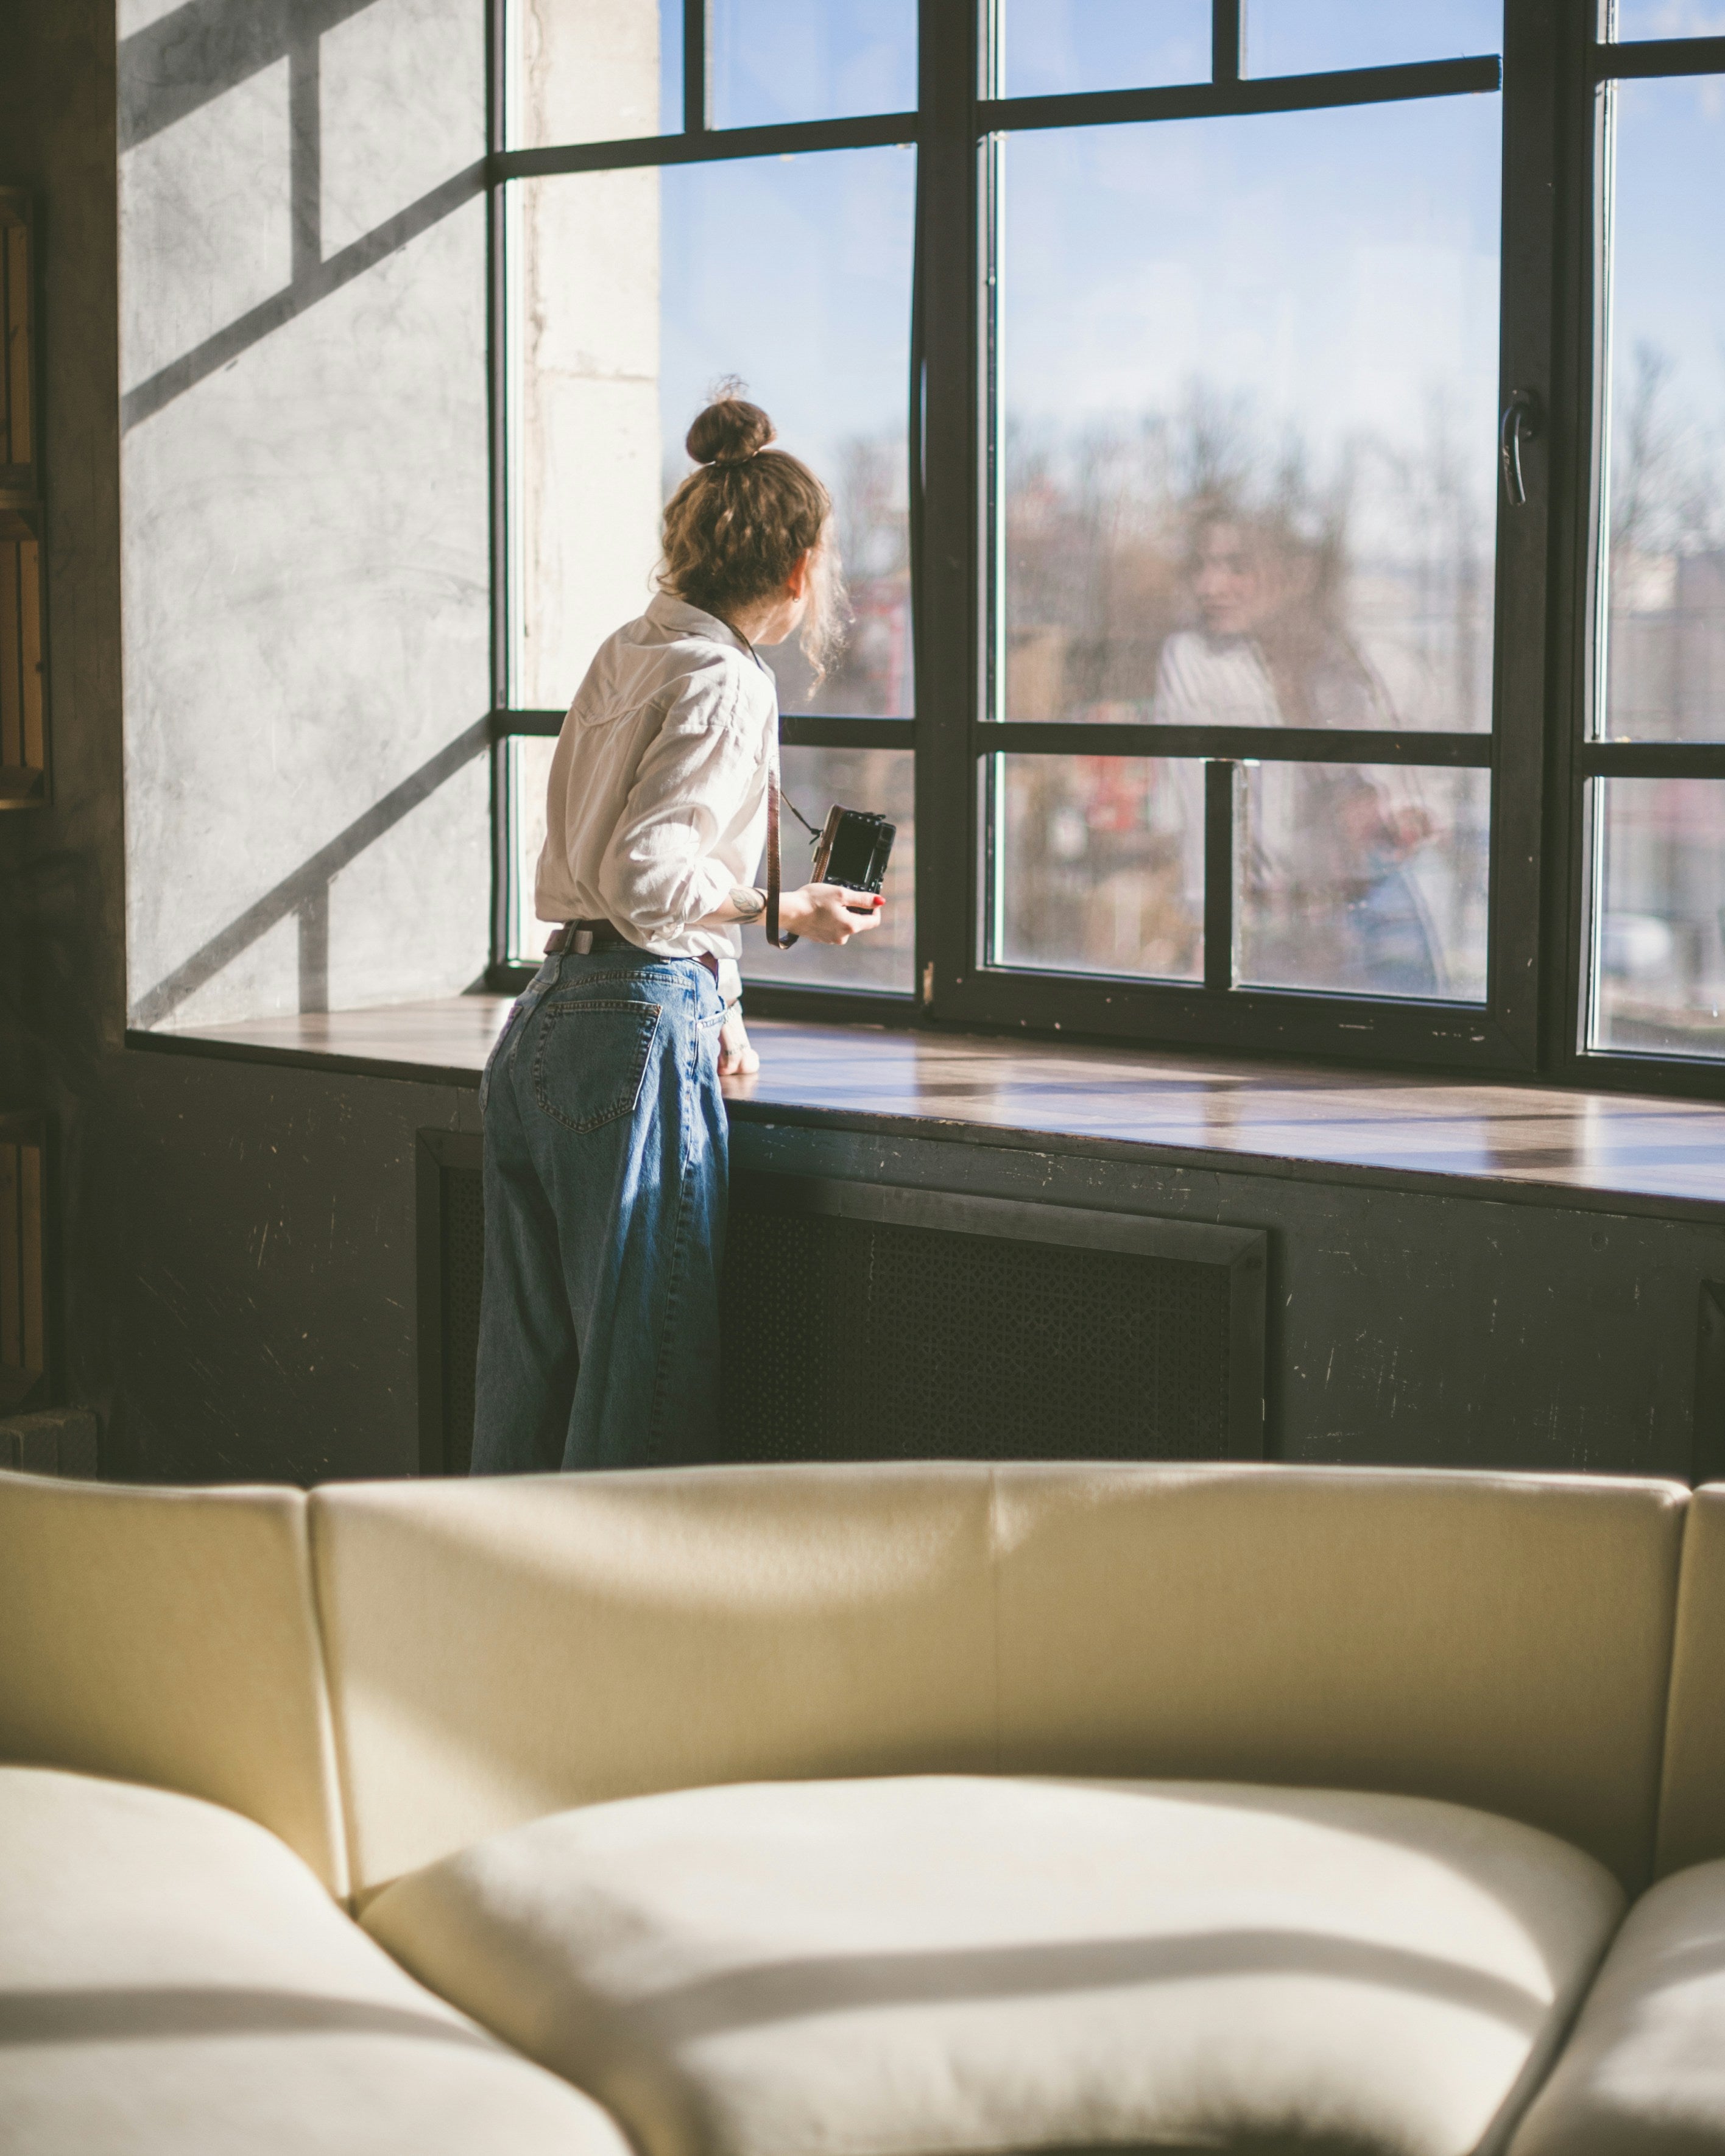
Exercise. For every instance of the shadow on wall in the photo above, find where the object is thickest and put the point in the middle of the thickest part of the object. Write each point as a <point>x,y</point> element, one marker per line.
<point>194,56</point>
<point>306,537</point>
<point>306,894</point>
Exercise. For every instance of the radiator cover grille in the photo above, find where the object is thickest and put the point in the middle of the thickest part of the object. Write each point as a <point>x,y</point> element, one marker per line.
<point>866,1321</point>
<point>849,1339</point>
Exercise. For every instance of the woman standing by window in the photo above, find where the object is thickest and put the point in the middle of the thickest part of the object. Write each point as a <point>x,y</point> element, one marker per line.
<point>605,1134</point>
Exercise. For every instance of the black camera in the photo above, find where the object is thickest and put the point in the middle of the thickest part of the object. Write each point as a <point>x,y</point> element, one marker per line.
<point>853,850</point>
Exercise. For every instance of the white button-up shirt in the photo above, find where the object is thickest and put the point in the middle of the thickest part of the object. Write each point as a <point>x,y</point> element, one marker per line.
<point>657,806</point>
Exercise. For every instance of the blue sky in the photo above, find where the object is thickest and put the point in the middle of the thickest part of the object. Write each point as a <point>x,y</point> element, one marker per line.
<point>1336,266</point>
<point>1054,46</point>
<point>816,59</point>
<point>795,273</point>
<point>1333,268</point>
<point>1324,262</point>
<point>1668,284</point>
<point>1670,19</point>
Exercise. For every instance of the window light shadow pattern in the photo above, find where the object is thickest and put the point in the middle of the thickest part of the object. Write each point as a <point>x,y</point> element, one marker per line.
<point>187,2013</point>
<point>176,67</point>
<point>835,1984</point>
<point>303,72</point>
<point>305,893</point>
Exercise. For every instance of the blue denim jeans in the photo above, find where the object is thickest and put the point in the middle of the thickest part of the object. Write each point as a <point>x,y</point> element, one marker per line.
<point>605,1182</point>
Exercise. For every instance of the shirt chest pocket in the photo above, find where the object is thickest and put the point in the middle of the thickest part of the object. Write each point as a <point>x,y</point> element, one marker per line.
<point>591,1059</point>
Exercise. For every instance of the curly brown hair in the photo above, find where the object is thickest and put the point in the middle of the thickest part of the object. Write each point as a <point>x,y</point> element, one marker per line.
<point>735,529</point>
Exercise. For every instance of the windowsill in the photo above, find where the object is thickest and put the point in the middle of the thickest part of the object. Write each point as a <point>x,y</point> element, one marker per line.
<point>1610,1152</point>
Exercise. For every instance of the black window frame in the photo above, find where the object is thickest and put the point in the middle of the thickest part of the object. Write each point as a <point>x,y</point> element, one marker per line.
<point>1554,60</point>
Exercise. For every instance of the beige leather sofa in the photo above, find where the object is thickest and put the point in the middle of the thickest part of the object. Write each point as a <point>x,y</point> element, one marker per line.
<point>903,1811</point>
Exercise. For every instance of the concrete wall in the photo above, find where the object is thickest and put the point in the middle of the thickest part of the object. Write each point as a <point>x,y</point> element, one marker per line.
<point>305,530</point>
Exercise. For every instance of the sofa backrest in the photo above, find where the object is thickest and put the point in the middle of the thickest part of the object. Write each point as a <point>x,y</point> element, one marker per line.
<point>500,1650</point>
<point>1691,1818</point>
<point>1499,1640</point>
<point>168,1636</point>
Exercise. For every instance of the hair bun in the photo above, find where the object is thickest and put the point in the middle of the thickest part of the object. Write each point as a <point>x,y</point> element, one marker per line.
<point>729,430</point>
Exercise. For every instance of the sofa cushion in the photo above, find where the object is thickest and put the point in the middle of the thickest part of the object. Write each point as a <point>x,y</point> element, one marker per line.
<point>169,1636</point>
<point>174,1981</point>
<point>952,1964</point>
<point>1644,2073</point>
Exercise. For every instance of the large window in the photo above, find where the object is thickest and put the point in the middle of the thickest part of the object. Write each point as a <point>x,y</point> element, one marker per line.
<point>1278,454</point>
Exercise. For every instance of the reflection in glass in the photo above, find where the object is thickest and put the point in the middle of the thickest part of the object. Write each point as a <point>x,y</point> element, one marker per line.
<point>1362,879</point>
<point>1659,984</point>
<point>1666,477</point>
<point>528,769</point>
<point>1050,47</point>
<point>629,301</point>
<point>777,60</point>
<point>1668,19</point>
<point>592,70</point>
<point>885,959</point>
<point>1099,865</point>
<point>1248,392</point>
<point>1317,37</point>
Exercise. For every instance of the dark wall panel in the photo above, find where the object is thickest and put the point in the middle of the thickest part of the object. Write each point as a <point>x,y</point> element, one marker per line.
<point>259,1289</point>
<point>1403,1327</point>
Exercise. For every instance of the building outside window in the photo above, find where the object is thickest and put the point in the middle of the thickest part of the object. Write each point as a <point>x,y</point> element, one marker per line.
<point>1279,456</point>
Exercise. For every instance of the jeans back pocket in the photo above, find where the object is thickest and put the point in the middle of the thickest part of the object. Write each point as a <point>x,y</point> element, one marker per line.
<point>590,1060</point>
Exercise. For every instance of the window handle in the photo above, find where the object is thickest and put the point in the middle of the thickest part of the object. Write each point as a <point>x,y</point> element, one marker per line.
<point>1521,424</point>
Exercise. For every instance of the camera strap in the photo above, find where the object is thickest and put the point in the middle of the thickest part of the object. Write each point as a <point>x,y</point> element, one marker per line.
<point>774,870</point>
<point>779,942</point>
<point>777,801</point>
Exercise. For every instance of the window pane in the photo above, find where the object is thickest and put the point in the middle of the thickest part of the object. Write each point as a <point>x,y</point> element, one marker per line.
<point>1099,865</point>
<point>1367,880</point>
<point>811,59</point>
<point>631,295</point>
<point>1660,984</point>
<point>1051,47</point>
<point>885,958</point>
<point>1249,396</point>
<point>1315,37</point>
<point>529,774</point>
<point>1669,18</point>
<point>592,70</point>
<point>1665,568</point>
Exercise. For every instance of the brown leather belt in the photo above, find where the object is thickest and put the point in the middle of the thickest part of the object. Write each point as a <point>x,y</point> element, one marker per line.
<point>603,936</point>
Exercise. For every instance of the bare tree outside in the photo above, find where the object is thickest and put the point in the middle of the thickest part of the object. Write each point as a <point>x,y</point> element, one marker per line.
<point>1659,895</point>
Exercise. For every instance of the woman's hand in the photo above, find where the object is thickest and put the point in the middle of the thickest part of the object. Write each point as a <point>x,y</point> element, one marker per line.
<point>736,1059</point>
<point>828,913</point>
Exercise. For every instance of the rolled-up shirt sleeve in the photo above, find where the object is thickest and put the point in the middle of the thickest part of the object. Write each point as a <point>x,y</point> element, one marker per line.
<point>658,874</point>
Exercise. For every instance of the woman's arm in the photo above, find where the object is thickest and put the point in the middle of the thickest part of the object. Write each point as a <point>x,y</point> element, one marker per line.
<point>817,911</point>
<point>658,873</point>
<point>824,912</point>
